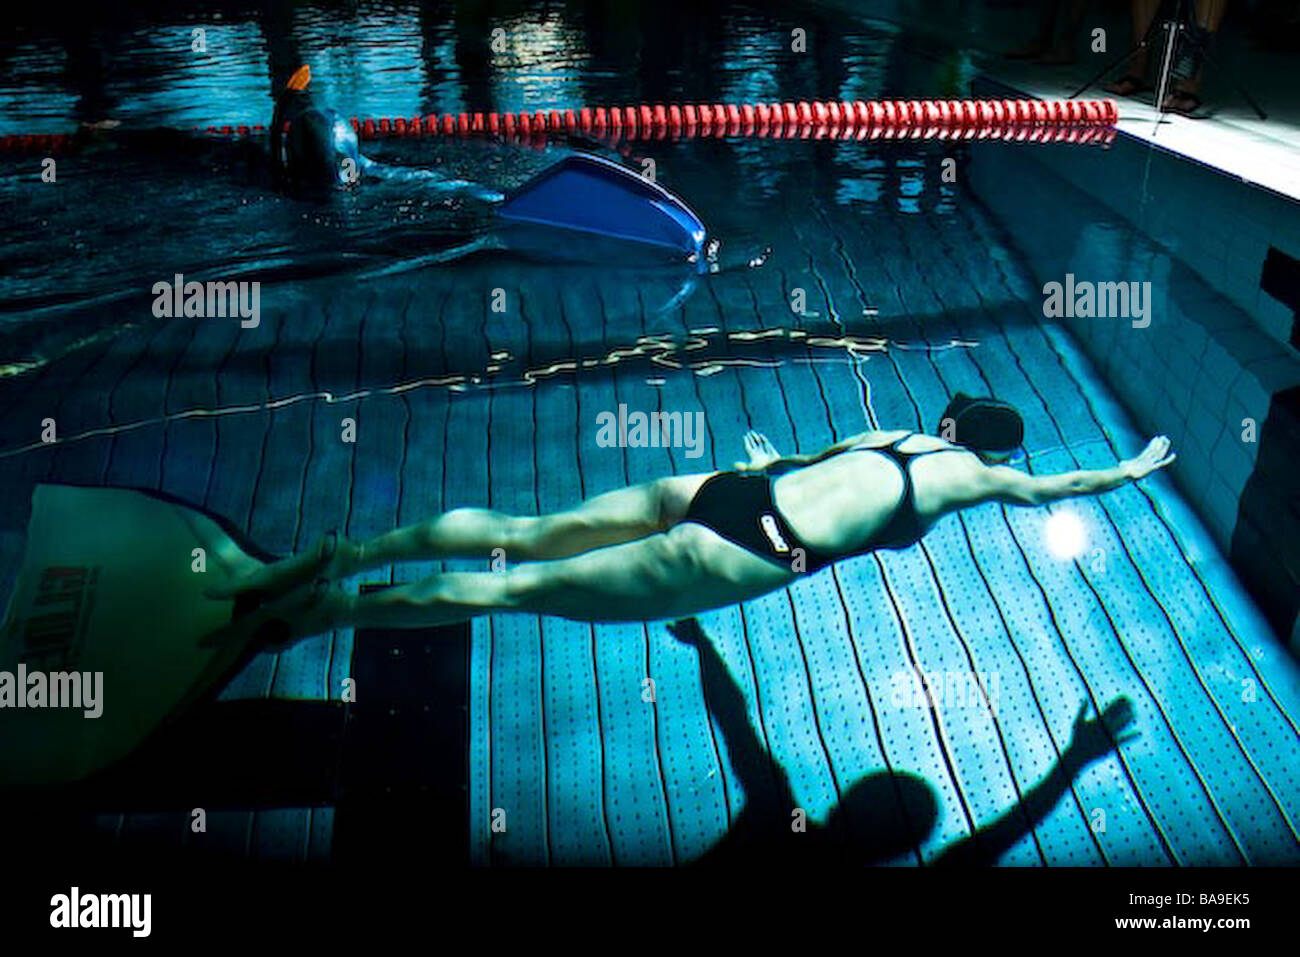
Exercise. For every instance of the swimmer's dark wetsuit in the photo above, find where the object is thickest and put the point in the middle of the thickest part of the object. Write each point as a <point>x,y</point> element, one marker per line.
<point>739,506</point>
<point>311,144</point>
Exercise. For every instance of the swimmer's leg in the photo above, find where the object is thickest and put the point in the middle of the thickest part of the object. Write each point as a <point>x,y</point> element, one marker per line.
<point>623,515</point>
<point>683,572</point>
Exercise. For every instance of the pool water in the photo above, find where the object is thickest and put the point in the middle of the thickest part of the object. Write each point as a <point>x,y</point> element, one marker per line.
<point>627,744</point>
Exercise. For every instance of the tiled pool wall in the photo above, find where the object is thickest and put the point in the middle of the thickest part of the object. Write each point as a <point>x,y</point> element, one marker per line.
<point>1217,358</point>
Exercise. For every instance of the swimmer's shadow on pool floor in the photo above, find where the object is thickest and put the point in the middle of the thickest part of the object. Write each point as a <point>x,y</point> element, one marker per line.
<point>882,816</point>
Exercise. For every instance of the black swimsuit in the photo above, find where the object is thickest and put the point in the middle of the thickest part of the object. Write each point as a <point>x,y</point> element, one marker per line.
<point>739,507</point>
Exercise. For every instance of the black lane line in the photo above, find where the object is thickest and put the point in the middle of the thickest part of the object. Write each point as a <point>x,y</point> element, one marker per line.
<point>547,839</point>
<point>708,721</point>
<point>770,759</point>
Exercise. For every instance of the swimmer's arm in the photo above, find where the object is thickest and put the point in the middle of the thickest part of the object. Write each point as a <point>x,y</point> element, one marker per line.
<point>1013,487</point>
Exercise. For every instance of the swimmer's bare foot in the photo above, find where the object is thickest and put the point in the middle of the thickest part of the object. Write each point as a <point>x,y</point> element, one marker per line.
<point>310,609</point>
<point>332,557</point>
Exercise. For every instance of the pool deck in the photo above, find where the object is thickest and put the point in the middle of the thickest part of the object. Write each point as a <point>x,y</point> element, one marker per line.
<point>1232,139</point>
<point>561,739</point>
<point>1227,135</point>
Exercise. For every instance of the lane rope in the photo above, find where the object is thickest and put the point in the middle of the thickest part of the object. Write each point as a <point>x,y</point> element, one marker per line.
<point>1025,121</point>
<point>1019,120</point>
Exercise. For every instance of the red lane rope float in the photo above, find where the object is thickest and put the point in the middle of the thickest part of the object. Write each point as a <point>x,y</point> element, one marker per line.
<point>1038,121</point>
<point>1017,120</point>
<point>45,144</point>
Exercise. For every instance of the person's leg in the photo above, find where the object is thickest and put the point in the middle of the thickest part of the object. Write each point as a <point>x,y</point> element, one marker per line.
<point>1078,9</point>
<point>1134,78</point>
<point>1143,12</point>
<point>1063,50</point>
<point>623,515</point>
<point>1042,41</point>
<point>620,516</point>
<point>683,572</point>
<point>1209,14</point>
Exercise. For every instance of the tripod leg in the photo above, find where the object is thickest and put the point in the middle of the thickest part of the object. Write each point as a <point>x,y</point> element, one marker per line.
<point>1236,85</point>
<point>1173,29</point>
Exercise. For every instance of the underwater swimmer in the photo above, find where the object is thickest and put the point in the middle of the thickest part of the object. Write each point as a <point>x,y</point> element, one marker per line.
<point>313,148</point>
<point>680,545</point>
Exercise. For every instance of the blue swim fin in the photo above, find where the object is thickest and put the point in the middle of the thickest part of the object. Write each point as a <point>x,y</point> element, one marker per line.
<point>592,195</point>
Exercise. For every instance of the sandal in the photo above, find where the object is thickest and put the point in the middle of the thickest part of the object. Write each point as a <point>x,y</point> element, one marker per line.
<point>1128,85</point>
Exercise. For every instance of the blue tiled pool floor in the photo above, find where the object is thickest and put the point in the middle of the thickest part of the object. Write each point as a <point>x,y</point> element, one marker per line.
<point>585,770</point>
<point>799,686</point>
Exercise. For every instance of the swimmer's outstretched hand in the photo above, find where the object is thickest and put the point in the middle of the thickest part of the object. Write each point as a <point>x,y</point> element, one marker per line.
<point>1155,456</point>
<point>1095,738</point>
<point>760,450</point>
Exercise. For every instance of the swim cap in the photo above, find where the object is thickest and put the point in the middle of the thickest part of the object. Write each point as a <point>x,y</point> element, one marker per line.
<point>983,424</point>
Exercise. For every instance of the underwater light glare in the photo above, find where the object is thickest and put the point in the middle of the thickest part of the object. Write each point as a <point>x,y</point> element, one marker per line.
<point>1065,535</point>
